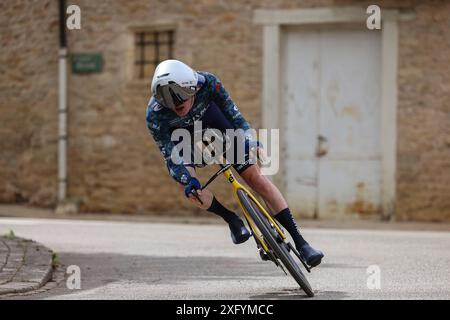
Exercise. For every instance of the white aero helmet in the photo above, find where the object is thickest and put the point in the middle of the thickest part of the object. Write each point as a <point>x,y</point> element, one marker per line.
<point>174,82</point>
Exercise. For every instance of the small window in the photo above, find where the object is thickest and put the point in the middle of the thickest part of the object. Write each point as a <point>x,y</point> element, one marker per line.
<point>152,48</point>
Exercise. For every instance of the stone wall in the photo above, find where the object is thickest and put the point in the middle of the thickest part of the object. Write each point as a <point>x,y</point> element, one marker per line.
<point>28,101</point>
<point>423,156</point>
<point>114,166</point>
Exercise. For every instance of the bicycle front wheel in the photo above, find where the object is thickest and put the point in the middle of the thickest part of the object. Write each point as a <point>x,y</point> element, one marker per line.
<point>274,241</point>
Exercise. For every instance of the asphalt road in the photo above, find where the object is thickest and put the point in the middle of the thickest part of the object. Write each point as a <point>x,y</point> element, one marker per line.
<point>120,260</point>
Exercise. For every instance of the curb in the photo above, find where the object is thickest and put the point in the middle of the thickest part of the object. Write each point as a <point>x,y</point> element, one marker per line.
<point>25,265</point>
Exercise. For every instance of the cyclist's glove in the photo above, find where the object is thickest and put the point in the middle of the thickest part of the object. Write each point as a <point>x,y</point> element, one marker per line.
<point>193,184</point>
<point>251,145</point>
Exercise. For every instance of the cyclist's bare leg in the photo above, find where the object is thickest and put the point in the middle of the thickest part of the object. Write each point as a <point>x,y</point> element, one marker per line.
<point>265,188</point>
<point>271,211</point>
<point>278,205</point>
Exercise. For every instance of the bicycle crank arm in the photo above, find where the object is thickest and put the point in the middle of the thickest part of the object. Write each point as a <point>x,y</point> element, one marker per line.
<point>299,257</point>
<point>274,259</point>
<point>282,268</point>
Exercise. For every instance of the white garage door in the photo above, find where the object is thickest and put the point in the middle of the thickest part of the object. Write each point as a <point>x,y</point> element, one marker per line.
<point>332,113</point>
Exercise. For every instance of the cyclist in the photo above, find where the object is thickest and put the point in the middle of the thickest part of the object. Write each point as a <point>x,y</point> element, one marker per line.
<point>181,96</point>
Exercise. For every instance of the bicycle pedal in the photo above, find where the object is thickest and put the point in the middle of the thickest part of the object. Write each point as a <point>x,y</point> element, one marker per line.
<point>264,256</point>
<point>299,256</point>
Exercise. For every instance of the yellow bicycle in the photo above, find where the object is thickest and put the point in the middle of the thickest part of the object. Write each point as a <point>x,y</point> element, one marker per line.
<point>266,231</point>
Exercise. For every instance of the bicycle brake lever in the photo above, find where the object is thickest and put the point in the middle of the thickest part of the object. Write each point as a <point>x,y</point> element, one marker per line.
<point>195,194</point>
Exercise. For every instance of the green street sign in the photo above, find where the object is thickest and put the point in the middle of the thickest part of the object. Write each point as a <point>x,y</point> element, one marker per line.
<point>87,62</point>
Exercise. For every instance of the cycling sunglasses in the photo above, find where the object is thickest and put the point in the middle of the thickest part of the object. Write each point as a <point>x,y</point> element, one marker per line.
<point>172,95</point>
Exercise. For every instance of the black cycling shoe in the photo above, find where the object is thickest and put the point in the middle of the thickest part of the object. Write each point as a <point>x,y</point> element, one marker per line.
<point>312,256</point>
<point>264,256</point>
<point>239,232</point>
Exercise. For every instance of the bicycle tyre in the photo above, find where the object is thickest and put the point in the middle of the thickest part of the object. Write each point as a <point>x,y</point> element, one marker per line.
<point>280,250</point>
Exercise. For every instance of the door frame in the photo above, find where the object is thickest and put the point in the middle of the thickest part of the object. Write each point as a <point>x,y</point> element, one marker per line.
<point>272,109</point>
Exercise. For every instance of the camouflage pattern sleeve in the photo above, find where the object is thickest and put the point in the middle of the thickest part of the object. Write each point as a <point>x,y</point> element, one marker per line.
<point>221,97</point>
<point>161,135</point>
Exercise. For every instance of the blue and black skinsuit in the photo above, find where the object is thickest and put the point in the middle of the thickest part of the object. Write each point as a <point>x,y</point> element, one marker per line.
<point>212,105</point>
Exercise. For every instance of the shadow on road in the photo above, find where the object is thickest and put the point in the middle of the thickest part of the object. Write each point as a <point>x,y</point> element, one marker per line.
<point>296,294</point>
<point>102,269</point>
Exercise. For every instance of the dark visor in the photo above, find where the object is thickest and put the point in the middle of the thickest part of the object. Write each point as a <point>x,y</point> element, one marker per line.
<point>172,95</point>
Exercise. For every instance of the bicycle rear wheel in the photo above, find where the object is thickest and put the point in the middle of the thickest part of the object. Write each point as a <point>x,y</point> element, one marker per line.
<point>275,242</point>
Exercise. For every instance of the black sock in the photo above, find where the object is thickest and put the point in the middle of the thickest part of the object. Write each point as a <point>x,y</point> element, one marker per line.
<point>286,219</point>
<point>217,208</point>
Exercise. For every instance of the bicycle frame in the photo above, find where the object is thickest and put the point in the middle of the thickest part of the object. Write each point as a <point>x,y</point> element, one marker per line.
<point>226,171</point>
<point>238,186</point>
